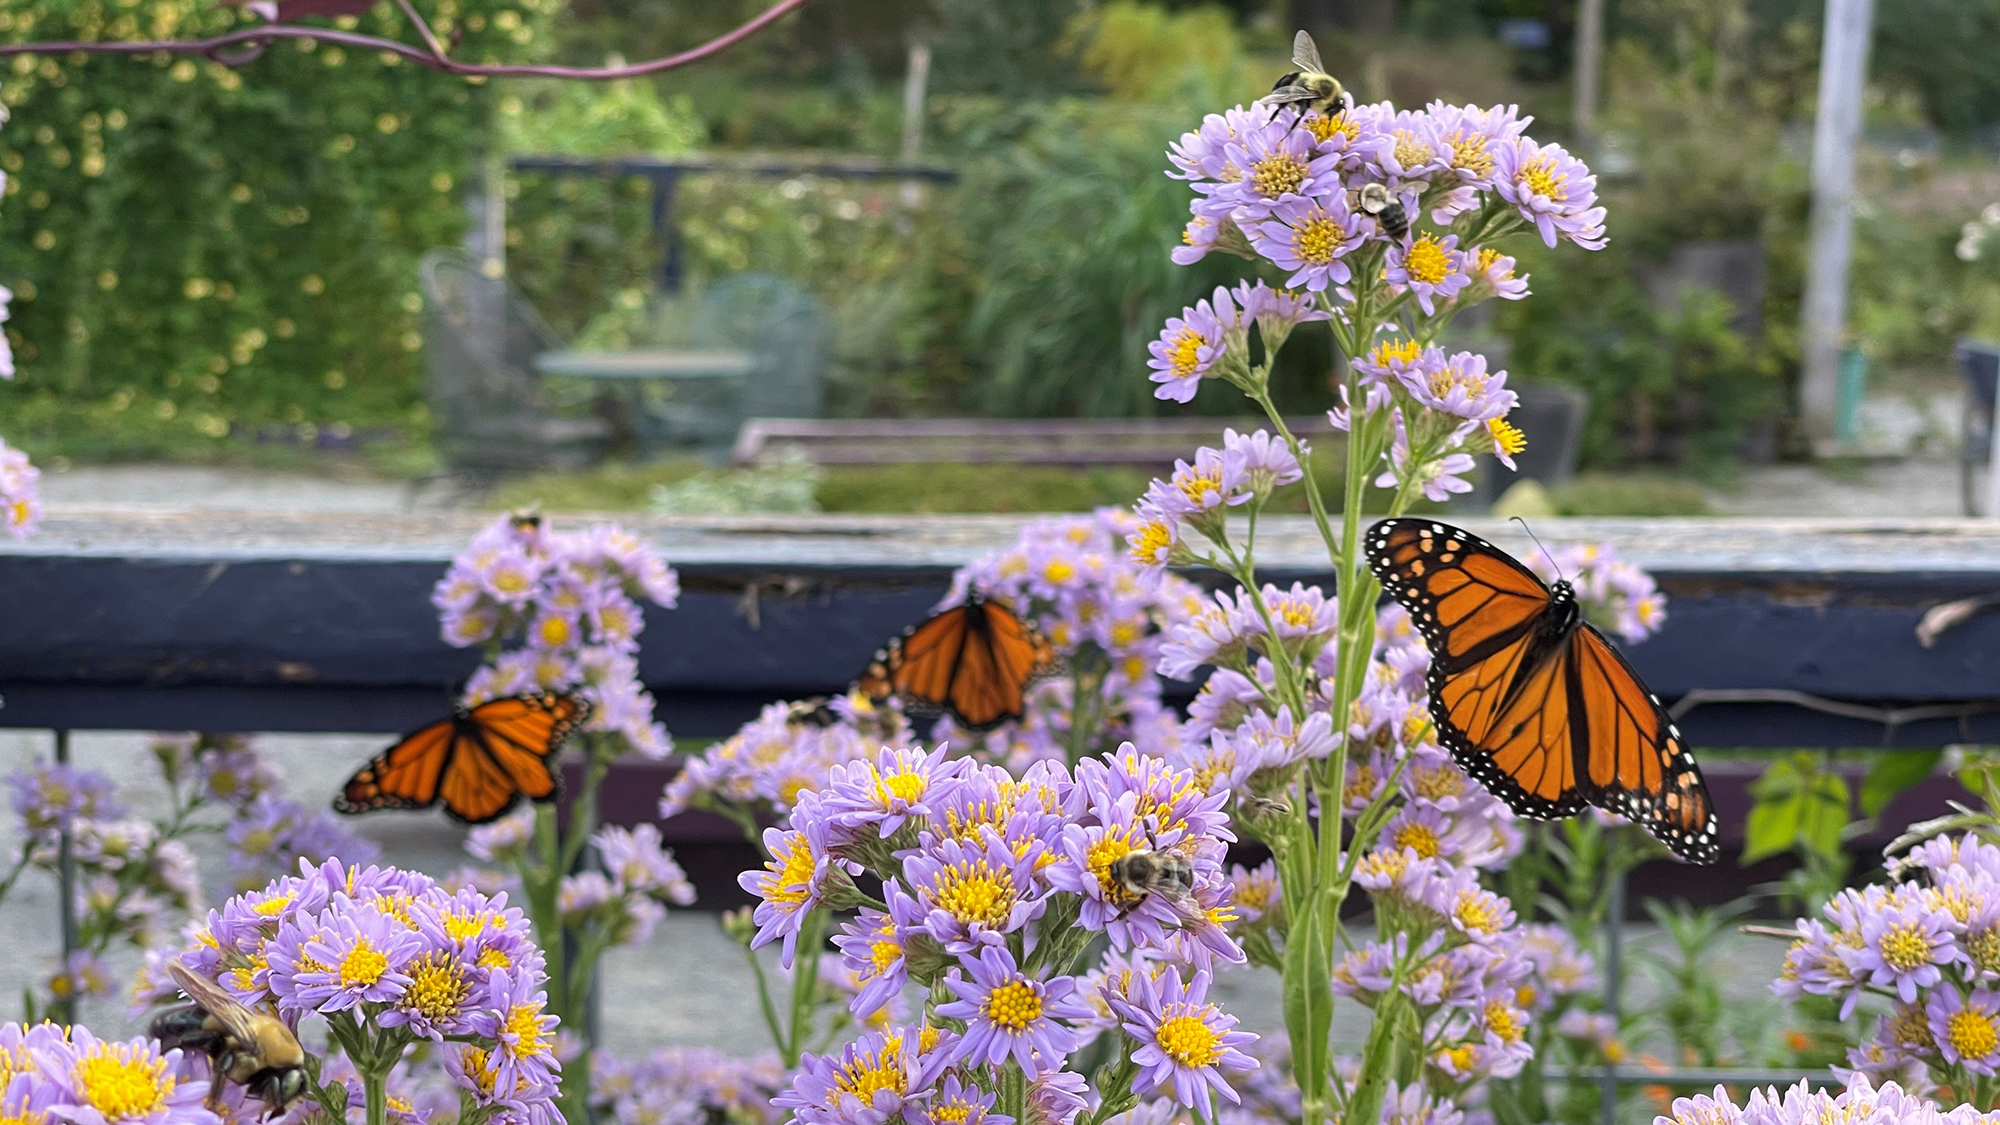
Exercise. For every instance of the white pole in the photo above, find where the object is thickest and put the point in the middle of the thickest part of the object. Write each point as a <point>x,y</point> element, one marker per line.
<point>1589,65</point>
<point>914,82</point>
<point>1843,76</point>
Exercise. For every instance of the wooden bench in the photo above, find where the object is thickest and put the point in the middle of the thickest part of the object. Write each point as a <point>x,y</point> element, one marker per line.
<point>1075,442</point>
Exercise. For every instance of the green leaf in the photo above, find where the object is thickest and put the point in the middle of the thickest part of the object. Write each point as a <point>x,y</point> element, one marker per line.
<point>1893,772</point>
<point>1378,1060</point>
<point>1771,828</point>
<point>1824,810</point>
<point>1308,1001</point>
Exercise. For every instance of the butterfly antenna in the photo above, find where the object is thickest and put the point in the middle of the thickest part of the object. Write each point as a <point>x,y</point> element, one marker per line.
<point>1546,553</point>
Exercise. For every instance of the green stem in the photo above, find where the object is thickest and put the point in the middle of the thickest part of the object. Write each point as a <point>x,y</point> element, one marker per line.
<point>375,1095</point>
<point>541,882</point>
<point>805,984</point>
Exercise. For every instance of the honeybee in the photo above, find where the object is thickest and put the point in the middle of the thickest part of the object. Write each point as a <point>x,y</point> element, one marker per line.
<point>1376,200</point>
<point>252,1049</point>
<point>1257,805</point>
<point>1310,87</point>
<point>1150,871</point>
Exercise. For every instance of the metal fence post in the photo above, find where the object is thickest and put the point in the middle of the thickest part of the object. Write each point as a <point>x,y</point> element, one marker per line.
<point>1614,937</point>
<point>65,888</point>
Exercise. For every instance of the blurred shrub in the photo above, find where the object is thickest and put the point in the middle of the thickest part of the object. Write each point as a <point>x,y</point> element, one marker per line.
<point>196,249</point>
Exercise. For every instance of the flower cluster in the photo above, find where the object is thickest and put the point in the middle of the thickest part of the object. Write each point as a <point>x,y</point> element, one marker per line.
<point>787,749</point>
<point>1860,1100</point>
<point>617,905</point>
<point>570,600</point>
<point>390,958</point>
<point>689,1087</point>
<point>1929,947</point>
<point>1615,594</point>
<point>1106,615</point>
<point>993,890</point>
<point>54,1073</point>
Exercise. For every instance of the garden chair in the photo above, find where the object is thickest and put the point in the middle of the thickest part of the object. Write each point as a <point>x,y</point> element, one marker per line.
<point>1979,364</point>
<point>491,411</point>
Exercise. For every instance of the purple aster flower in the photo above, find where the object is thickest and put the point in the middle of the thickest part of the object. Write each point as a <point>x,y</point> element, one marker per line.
<point>1430,267</point>
<point>101,1082</point>
<point>870,1082</point>
<point>360,954</point>
<point>957,1103</point>
<point>792,881</point>
<point>1966,1027</point>
<point>1192,345</point>
<point>1276,311</point>
<point>1217,635</point>
<point>875,948</point>
<point>1276,742</point>
<point>1010,1013</point>
<point>1492,275</point>
<point>1154,541</point>
<point>1262,462</point>
<point>444,987</point>
<point>1902,947</point>
<point>1185,1042</point>
<point>636,859</point>
<point>50,798</point>
<point>1468,138</point>
<point>1303,618</point>
<point>1311,238</point>
<point>20,496</point>
<point>1411,1105</point>
<point>975,892</point>
<point>1551,189</point>
<point>1278,162</point>
<point>1256,891</point>
<point>1437,477</point>
<point>1459,386</point>
<point>235,774</point>
<point>1056,1096</point>
<point>1202,155</point>
<point>84,976</point>
<point>513,1016</point>
<point>504,839</point>
<point>1226,698</point>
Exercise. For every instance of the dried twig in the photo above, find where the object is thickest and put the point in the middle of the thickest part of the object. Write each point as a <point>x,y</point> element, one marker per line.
<point>239,47</point>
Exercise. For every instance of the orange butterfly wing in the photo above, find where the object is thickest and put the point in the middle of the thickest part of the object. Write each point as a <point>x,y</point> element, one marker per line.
<point>479,763</point>
<point>975,660</point>
<point>1547,730</point>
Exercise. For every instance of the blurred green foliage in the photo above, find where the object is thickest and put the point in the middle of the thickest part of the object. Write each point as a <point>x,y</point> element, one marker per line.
<point>197,250</point>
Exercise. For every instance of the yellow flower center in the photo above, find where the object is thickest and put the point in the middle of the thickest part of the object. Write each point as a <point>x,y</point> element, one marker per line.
<point>1477,913</point>
<point>1316,238</point>
<point>1099,859</point>
<point>1459,1057</point>
<point>1540,177</point>
<point>1187,236</point>
<point>1391,352</point>
<point>555,631</point>
<point>1484,262</point>
<point>272,907</point>
<point>1418,838</point>
<point>510,582</point>
<point>438,987</point>
<point>976,893</point>
<point>883,954</point>
<point>1507,437</point>
<point>1984,947</point>
<point>788,877</point>
<point>1385,863</point>
<point>479,1066</point>
<point>1184,352</point>
<point>1468,153</point>
<point>460,925</point>
<point>363,965</point>
<point>1446,378</point>
<point>1971,1033</point>
<point>18,513</point>
<point>1910,1027</point>
<point>1277,174</point>
<point>1360,783</point>
<point>1058,571</point>
<point>1196,485</point>
<point>524,1023</point>
<point>122,1082</point>
<point>903,786</point>
<point>1904,947</point>
<point>1189,1041</point>
<point>1325,128</point>
<point>1013,1006</point>
<point>1296,614</point>
<point>1410,150</point>
<point>1152,538</point>
<point>1427,261</point>
<point>491,958</point>
<point>954,1112</point>
<point>868,1074</point>
<point>1502,1022</point>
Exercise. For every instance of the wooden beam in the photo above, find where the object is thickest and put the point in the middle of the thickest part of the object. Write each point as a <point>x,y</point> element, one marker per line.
<point>1843,78</point>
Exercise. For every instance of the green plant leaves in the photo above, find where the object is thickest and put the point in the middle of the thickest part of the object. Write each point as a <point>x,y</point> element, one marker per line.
<point>1800,803</point>
<point>1308,1001</point>
<point>1892,772</point>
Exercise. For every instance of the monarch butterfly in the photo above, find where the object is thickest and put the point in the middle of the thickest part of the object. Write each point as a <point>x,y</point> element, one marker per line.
<point>1530,699</point>
<point>480,762</point>
<point>974,660</point>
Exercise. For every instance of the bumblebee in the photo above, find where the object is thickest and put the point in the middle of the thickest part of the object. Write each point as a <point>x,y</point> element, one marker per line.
<point>253,1049</point>
<point>816,712</point>
<point>1150,871</point>
<point>1376,200</point>
<point>1310,87</point>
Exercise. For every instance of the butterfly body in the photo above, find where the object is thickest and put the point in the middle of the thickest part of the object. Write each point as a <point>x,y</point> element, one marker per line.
<point>1530,699</point>
<point>478,763</point>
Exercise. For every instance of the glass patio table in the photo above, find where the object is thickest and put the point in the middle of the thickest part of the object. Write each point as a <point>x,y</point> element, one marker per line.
<point>675,396</point>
